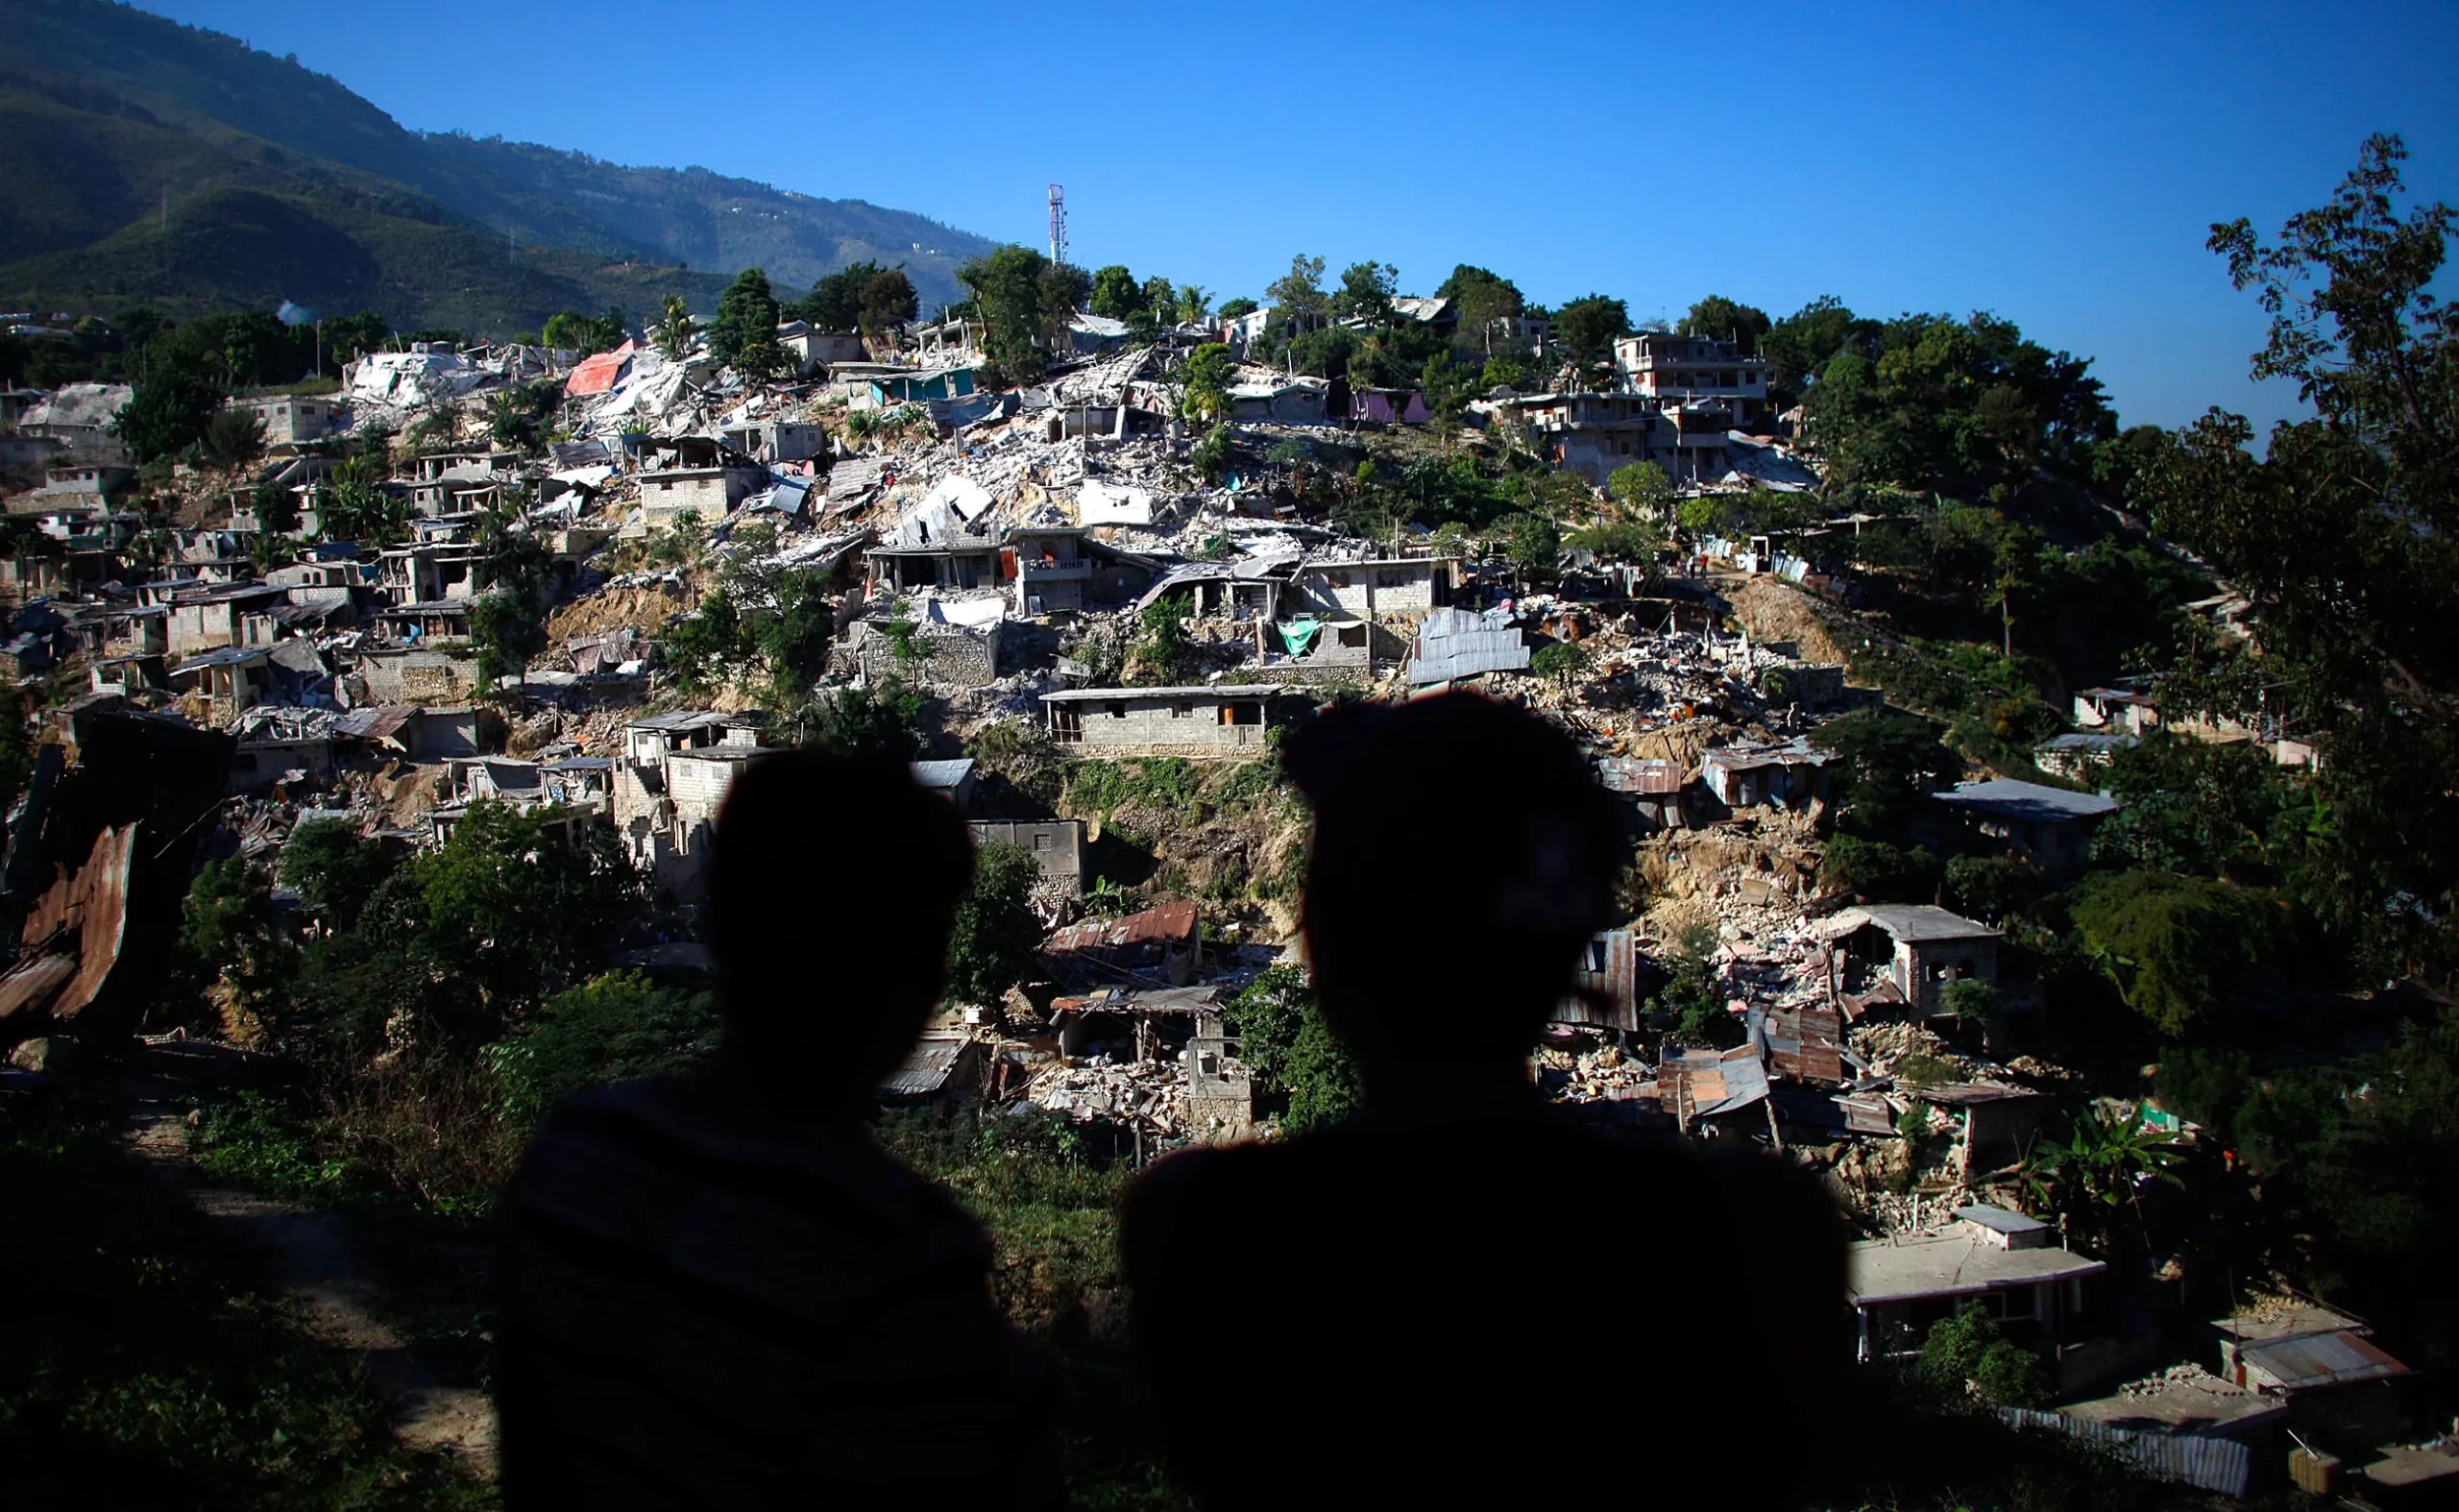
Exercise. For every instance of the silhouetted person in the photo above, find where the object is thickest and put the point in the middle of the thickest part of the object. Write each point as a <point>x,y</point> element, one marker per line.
<point>1459,1297</point>
<point>718,1291</point>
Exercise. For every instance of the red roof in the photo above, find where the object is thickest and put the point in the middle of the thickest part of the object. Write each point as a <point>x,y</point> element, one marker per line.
<point>599,373</point>
<point>1169,923</point>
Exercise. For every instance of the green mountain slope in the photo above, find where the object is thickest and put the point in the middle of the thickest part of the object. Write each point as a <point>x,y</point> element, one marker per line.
<point>247,246</point>
<point>189,79</point>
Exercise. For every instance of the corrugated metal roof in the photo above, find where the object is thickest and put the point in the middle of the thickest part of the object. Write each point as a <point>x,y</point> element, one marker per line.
<point>1967,1094</point>
<point>1699,1083</point>
<point>2321,1359</point>
<point>380,721</point>
<point>927,1067</point>
<point>2206,1462</point>
<point>1641,775</point>
<point>1171,922</point>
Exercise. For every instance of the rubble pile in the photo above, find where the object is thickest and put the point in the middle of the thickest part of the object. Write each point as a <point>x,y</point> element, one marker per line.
<point>1153,1092</point>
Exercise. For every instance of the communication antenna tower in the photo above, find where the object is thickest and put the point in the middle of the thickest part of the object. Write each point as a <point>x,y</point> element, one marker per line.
<point>1058,223</point>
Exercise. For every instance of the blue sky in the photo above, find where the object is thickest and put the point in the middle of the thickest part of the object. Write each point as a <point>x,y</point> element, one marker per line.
<point>2058,165</point>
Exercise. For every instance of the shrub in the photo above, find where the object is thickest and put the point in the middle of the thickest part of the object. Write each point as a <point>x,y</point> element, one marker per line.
<point>1965,1360</point>
<point>605,1030</point>
<point>1284,1039</point>
<point>996,935</point>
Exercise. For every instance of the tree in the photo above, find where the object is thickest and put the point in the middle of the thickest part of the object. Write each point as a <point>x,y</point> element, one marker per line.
<point>744,334</point>
<point>1633,541</point>
<point>2101,1167</point>
<point>1194,303</point>
<point>996,935</point>
<point>1725,320</point>
<point>1643,490</point>
<point>674,330</point>
<point>1115,293</point>
<point>1166,652</point>
<point>1293,1052</point>
<point>567,331</point>
<point>276,508</point>
<point>1010,290</point>
<point>879,721</point>
<point>1204,384</point>
<point>1887,765</point>
<point>889,301</point>
<point>1231,309</point>
<point>333,870</point>
<point>228,943</point>
<point>1483,302</point>
<point>518,906</point>
<point>353,504</point>
<point>834,304</point>
<point>2346,538</point>
<point>1297,295</point>
<point>608,1029</point>
<point>1586,330</point>
<point>234,436</point>
<point>1449,387</point>
<point>1800,346</point>
<point>1558,661</point>
<point>170,409</point>
<point>1366,292</point>
<point>2174,946</point>
<point>1967,1363</point>
<point>1535,544</point>
<point>508,619</point>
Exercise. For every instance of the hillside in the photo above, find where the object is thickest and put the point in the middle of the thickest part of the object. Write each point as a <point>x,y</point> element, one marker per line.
<point>177,106</point>
<point>249,246</point>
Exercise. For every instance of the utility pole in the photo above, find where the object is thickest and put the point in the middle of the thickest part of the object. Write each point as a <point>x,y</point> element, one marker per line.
<point>1058,224</point>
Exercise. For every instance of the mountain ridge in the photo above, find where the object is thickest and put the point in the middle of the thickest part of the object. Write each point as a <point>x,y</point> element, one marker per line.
<point>161,112</point>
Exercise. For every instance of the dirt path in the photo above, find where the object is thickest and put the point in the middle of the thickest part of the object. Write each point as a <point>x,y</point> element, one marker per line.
<point>312,1257</point>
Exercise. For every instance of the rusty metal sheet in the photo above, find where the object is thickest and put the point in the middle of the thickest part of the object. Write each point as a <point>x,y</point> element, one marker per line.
<point>30,984</point>
<point>1170,923</point>
<point>85,916</point>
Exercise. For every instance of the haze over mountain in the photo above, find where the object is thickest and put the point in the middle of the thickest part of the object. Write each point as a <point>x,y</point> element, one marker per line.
<point>144,160</point>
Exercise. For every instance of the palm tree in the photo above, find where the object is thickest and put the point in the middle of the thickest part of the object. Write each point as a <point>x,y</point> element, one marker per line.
<point>2103,1164</point>
<point>673,329</point>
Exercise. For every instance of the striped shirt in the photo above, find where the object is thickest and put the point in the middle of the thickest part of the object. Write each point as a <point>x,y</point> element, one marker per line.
<point>703,1310</point>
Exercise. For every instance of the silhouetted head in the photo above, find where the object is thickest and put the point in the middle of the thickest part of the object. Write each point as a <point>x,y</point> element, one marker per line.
<point>1463,853</point>
<point>834,882</point>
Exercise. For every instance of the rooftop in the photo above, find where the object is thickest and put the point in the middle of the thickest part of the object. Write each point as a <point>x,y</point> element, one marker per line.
<point>1259,690</point>
<point>2009,799</point>
<point>2319,1359</point>
<point>1910,922</point>
<point>1952,1265</point>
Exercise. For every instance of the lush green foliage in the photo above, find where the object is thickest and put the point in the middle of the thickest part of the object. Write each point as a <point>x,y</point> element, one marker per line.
<point>1962,407</point>
<point>744,334</point>
<point>2174,947</point>
<point>1293,1052</point>
<point>1965,1360</point>
<point>2347,534</point>
<point>996,935</point>
<point>883,720</point>
<point>333,870</point>
<point>608,1029</point>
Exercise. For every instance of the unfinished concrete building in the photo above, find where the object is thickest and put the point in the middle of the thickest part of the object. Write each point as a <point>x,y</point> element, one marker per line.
<point>1225,720</point>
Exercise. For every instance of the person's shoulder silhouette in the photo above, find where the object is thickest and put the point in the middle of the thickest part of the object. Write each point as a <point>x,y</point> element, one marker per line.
<point>716,1290</point>
<point>1458,1293</point>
